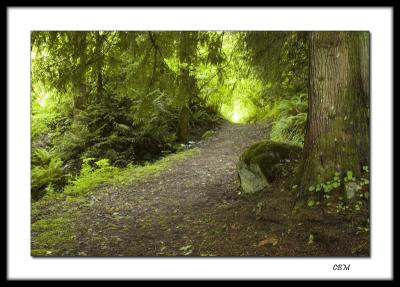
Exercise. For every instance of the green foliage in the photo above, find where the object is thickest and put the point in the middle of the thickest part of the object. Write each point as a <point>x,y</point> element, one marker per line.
<point>117,95</point>
<point>95,173</point>
<point>129,97</point>
<point>46,173</point>
<point>289,118</point>
<point>282,65</point>
<point>280,58</point>
<point>349,176</point>
<point>41,156</point>
<point>338,183</point>
<point>91,176</point>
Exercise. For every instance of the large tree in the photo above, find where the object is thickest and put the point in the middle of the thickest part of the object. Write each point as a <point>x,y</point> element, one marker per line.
<point>337,133</point>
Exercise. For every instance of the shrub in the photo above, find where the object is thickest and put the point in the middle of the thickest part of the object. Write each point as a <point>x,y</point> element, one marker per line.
<point>290,129</point>
<point>289,118</point>
<point>48,174</point>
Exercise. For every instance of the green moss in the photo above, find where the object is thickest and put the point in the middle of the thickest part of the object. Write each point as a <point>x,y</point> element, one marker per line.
<point>44,224</point>
<point>72,199</point>
<point>38,252</point>
<point>51,235</point>
<point>267,154</point>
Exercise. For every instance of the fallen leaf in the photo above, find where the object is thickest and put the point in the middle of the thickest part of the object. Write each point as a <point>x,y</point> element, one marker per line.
<point>311,239</point>
<point>268,241</point>
<point>185,248</point>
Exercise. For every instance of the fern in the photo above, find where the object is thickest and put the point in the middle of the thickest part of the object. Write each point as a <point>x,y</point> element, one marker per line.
<point>41,157</point>
<point>290,129</point>
<point>47,175</point>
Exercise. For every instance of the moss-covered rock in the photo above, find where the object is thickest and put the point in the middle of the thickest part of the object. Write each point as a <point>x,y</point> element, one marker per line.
<point>263,162</point>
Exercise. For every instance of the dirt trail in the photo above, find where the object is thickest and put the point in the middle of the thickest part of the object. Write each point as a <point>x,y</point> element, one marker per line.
<point>192,208</point>
<point>189,209</point>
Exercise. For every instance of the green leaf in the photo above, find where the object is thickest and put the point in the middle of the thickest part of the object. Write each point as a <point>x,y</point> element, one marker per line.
<point>310,203</point>
<point>349,174</point>
<point>311,188</point>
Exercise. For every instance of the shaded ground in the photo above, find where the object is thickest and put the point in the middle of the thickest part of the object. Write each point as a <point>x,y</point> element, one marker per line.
<point>193,209</point>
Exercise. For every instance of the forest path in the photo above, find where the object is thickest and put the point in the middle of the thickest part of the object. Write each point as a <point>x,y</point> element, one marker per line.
<point>191,208</point>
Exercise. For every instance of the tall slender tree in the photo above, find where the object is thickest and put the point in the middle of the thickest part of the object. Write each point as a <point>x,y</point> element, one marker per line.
<point>187,83</point>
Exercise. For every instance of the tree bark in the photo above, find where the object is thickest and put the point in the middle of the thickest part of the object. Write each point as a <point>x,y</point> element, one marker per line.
<point>337,133</point>
<point>187,83</point>
<point>80,98</point>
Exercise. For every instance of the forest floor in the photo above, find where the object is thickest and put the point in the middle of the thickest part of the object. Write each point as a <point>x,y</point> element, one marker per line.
<point>192,208</point>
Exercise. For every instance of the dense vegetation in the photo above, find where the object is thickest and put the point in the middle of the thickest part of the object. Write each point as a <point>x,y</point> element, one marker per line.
<point>112,107</point>
<point>110,99</point>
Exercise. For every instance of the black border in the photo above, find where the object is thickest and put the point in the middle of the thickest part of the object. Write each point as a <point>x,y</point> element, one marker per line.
<point>70,4</point>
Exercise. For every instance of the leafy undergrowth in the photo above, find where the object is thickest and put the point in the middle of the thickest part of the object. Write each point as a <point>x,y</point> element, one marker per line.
<point>92,178</point>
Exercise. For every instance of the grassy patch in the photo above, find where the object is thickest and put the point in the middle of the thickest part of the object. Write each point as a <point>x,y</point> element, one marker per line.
<point>114,175</point>
<point>51,236</point>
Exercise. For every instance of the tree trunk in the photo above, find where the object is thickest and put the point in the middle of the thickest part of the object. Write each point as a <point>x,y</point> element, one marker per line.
<point>184,115</point>
<point>80,97</point>
<point>337,134</point>
<point>99,65</point>
<point>183,124</point>
<point>187,83</point>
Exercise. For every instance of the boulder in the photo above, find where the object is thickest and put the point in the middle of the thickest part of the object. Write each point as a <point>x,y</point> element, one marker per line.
<point>261,163</point>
